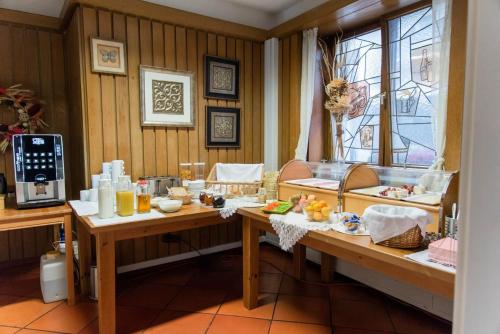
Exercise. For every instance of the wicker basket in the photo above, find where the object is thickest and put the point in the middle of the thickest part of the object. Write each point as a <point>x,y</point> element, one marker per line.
<point>410,239</point>
<point>230,189</point>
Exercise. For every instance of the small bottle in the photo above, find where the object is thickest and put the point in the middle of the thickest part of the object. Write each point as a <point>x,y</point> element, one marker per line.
<point>124,196</point>
<point>106,201</point>
<point>143,197</point>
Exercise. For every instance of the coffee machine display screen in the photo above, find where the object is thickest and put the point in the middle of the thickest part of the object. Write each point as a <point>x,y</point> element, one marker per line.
<point>37,158</point>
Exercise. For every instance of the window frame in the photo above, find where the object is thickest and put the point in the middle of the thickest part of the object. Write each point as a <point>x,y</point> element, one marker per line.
<point>385,139</point>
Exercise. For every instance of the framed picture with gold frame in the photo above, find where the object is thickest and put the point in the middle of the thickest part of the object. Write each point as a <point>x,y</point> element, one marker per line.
<point>223,127</point>
<point>222,78</point>
<point>108,56</point>
<point>168,97</point>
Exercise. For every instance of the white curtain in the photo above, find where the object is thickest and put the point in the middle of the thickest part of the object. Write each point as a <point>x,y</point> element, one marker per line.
<point>441,31</point>
<point>309,44</point>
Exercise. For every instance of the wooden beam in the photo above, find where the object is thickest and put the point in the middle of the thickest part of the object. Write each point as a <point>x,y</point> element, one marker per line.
<point>29,19</point>
<point>173,16</point>
<point>345,14</point>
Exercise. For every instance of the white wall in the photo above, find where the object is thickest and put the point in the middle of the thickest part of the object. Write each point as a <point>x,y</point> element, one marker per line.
<point>477,293</point>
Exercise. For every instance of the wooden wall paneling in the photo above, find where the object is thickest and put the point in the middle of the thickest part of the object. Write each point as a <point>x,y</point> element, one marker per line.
<point>240,56</point>
<point>285,121</point>
<point>172,137</point>
<point>213,153</point>
<point>122,100</point>
<point>93,98</point>
<point>261,108</point>
<point>295,71</point>
<point>108,105</point>
<point>256,113</point>
<point>75,84</point>
<point>5,75</point>
<point>201,121</point>
<point>194,144</point>
<point>148,133</point>
<point>158,41</point>
<point>248,68</point>
<point>133,61</point>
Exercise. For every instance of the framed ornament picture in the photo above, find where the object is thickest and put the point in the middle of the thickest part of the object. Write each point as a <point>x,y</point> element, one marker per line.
<point>222,78</point>
<point>168,98</point>
<point>223,127</point>
<point>108,56</point>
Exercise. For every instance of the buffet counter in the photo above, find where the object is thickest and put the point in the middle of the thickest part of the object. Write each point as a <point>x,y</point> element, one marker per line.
<point>356,249</point>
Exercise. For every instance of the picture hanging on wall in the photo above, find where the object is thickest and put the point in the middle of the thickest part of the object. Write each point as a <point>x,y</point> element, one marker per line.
<point>108,56</point>
<point>223,127</point>
<point>222,78</point>
<point>168,97</point>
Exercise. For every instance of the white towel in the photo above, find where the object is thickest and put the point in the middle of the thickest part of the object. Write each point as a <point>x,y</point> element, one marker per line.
<point>239,172</point>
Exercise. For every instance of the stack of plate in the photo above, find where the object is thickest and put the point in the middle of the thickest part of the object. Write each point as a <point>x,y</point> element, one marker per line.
<point>196,187</point>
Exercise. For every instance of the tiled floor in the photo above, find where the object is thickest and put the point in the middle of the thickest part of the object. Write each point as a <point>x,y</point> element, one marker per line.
<point>204,296</point>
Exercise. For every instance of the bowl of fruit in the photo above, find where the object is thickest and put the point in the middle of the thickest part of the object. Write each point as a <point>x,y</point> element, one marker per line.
<point>318,211</point>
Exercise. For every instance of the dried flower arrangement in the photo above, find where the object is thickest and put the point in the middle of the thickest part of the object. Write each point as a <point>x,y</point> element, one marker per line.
<point>28,109</point>
<point>338,100</point>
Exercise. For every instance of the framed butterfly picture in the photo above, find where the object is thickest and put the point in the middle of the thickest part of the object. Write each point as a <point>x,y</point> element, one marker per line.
<point>108,56</point>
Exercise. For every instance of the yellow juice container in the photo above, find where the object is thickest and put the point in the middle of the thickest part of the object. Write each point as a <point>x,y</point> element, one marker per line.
<point>125,203</point>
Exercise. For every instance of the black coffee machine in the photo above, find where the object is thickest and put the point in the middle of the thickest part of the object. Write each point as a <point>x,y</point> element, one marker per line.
<point>39,170</point>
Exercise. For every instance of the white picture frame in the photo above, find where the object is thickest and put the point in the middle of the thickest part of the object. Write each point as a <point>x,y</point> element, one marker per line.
<point>168,98</point>
<point>108,56</point>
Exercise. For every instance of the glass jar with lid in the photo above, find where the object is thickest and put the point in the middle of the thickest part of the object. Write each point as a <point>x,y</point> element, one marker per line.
<point>124,196</point>
<point>185,173</point>
<point>199,170</point>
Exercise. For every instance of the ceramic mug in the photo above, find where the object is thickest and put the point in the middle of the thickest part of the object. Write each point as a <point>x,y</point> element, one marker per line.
<point>93,195</point>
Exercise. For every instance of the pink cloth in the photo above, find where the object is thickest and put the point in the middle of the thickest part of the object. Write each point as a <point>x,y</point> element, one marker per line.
<point>444,251</point>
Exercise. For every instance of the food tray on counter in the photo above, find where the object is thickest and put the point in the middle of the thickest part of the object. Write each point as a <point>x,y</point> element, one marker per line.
<point>316,183</point>
<point>281,208</point>
<point>427,199</point>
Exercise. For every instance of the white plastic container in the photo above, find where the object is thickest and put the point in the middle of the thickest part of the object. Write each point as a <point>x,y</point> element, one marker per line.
<point>53,277</point>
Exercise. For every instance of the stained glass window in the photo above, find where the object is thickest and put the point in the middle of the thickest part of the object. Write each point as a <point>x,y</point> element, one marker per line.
<point>359,60</point>
<point>413,90</point>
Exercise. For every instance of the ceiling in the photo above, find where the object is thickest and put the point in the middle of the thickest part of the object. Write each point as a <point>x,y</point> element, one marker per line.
<point>263,14</point>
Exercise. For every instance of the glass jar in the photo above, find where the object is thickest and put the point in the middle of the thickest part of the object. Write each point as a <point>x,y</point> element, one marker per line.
<point>105,201</point>
<point>199,170</point>
<point>124,196</point>
<point>185,171</point>
<point>143,197</point>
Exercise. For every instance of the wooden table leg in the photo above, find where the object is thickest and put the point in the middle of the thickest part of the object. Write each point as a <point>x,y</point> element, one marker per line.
<point>105,247</point>
<point>250,264</point>
<point>299,261</point>
<point>68,234</point>
<point>327,267</point>
<point>84,256</point>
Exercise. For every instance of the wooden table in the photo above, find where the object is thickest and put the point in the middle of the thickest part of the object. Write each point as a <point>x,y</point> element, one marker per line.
<point>357,249</point>
<point>14,219</point>
<point>189,217</point>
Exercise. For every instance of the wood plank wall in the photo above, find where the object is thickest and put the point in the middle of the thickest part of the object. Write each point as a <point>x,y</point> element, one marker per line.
<point>290,64</point>
<point>33,57</point>
<point>111,104</point>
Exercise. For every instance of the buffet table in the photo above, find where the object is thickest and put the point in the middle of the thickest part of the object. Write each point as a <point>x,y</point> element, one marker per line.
<point>14,219</point>
<point>357,249</point>
<point>106,235</point>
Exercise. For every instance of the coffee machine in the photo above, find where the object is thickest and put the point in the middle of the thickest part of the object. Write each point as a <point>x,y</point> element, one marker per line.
<point>39,170</point>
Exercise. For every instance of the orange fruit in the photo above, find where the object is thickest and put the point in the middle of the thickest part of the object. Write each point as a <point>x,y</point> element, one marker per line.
<point>318,216</point>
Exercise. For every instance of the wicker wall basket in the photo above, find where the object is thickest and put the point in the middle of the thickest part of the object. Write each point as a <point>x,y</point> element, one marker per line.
<point>410,239</point>
<point>233,189</point>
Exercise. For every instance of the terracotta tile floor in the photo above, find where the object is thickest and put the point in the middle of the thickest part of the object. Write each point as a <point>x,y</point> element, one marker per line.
<point>204,296</point>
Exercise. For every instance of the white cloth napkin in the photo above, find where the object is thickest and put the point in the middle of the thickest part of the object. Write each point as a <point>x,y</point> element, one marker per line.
<point>239,172</point>
<point>387,221</point>
<point>293,226</point>
<point>84,208</point>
